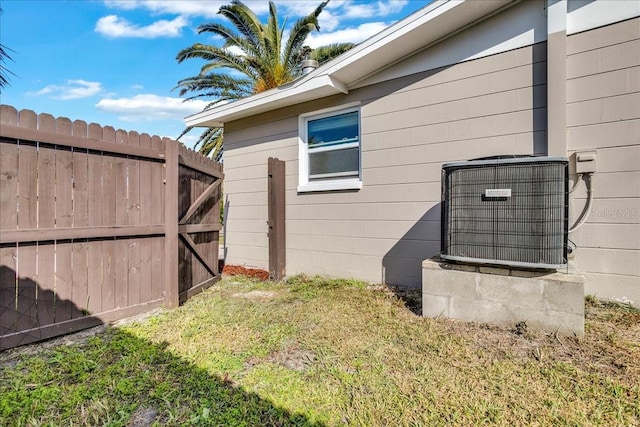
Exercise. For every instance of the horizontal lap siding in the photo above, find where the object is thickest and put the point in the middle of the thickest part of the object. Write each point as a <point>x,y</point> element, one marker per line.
<point>603,114</point>
<point>410,126</point>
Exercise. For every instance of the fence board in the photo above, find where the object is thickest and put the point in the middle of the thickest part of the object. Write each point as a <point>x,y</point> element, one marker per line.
<point>8,312</point>
<point>95,276</point>
<point>145,276</point>
<point>80,188</point>
<point>64,182</point>
<point>95,172</point>
<point>133,278</point>
<point>121,190</point>
<point>108,190</point>
<point>46,282</point>
<point>27,185</point>
<point>108,276</point>
<point>46,186</point>
<point>121,268</point>
<point>63,290</point>
<point>8,185</point>
<point>26,307</point>
<point>79,279</point>
<point>8,116</point>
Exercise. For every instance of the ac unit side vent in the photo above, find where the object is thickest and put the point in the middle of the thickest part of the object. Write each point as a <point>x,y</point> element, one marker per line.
<point>508,212</point>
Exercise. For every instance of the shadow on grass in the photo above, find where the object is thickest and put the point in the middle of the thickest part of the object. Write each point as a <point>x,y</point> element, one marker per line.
<point>115,378</point>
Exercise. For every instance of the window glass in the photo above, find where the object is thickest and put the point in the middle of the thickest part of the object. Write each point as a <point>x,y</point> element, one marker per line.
<point>338,129</point>
<point>334,163</point>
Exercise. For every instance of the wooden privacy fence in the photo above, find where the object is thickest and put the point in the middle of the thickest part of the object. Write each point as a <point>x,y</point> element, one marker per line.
<point>98,224</point>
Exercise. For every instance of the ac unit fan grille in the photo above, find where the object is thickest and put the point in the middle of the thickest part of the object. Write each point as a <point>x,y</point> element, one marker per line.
<point>527,228</point>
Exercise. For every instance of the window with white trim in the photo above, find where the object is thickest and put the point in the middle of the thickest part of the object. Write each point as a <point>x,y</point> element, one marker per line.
<point>330,150</point>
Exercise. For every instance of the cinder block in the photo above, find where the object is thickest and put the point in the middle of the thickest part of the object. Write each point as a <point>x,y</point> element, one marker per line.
<point>474,310</point>
<point>449,283</point>
<point>511,291</point>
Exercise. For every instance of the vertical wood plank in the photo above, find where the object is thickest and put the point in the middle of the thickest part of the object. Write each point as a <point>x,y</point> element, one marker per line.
<point>46,282</point>
<point>108,298</point>
<point>95,276</point>
<point>8,115</point>
<point>8,185</point>
<point>171,224</point>
<point>63,282</point>
<point>121,267</point>
<point>120,179</point>
<point>80,186</point>
<point>146,284</point>
<point>133,279</point>
<point>108,190</point>
<point>26,307</point>
<point>158,279</point>
<point>96,196</point>
<point>64,183</point>
<point>8,283</point>
<point>79,279</point>
<point>146,245</point>
<point>27,185</point>
<point>46,186</point>
<point>133,187</point>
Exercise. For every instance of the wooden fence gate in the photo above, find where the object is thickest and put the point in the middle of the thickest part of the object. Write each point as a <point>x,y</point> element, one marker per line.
<point>98,224</point>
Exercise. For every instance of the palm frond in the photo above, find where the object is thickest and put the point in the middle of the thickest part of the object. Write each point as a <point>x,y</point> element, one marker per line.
<point>301,29</point>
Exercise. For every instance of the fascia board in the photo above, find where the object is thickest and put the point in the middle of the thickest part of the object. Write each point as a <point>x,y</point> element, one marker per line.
<point>317,87</point>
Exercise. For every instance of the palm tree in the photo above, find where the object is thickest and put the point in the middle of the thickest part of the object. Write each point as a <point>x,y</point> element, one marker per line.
<point>256,53</point>
<point>4,73</point>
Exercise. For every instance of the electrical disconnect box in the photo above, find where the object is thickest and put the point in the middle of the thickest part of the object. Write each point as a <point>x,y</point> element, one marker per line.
<point>585,162</point>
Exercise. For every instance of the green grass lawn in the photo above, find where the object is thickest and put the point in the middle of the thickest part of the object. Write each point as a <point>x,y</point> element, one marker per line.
<point>319,352</point>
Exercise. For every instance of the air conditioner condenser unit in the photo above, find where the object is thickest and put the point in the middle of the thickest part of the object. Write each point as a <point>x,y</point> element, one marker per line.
<point>506,211</point>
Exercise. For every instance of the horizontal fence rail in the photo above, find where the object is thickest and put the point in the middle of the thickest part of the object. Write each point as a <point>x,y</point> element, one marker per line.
<point>89,223</point>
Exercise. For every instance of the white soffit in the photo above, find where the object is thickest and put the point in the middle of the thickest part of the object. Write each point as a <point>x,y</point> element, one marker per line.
<point>425,27</point>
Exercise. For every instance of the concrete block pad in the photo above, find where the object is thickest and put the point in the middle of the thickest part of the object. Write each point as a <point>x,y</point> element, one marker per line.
<point>435,306</point>
<point>565,296</point>
<point>546,301</point>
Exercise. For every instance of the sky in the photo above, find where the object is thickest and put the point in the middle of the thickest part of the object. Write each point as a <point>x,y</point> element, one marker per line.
<point>112,62</point>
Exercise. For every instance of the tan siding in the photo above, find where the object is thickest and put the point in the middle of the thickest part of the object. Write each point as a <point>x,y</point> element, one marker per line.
<point>605,36</point>
<point>410,126</point>
<point>603,114</point>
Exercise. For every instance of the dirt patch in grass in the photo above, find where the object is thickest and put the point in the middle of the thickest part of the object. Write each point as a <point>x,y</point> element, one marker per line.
<point>239,270</point>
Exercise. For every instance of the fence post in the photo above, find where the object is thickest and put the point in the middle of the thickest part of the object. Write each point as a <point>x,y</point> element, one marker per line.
<point>171,278</point>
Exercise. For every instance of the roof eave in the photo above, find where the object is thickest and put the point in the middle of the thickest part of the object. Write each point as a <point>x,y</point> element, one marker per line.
<point>342,72</point>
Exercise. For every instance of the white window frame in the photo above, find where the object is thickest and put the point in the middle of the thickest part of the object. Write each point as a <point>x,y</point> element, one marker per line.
<point>337,183</point>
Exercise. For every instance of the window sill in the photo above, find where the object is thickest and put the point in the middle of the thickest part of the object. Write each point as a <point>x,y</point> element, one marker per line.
<point>333,185</point>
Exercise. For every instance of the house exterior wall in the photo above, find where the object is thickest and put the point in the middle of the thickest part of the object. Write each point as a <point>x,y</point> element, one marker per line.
<point>410,126</point>
<point>414,122</point>
<point>603,115</point>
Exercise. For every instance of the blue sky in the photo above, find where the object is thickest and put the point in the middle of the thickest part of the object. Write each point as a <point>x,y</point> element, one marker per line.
<point>113,62</point>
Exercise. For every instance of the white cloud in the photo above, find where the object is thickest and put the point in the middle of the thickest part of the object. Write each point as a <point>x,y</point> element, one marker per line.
<point>73,89</point>
<point>371,9</point>
<point>150,107</point>
<point>203,8</point>
<point>115,26</point>
<point>354,34</point>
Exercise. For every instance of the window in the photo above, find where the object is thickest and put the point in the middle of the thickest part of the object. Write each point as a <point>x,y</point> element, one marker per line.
<point>330,150</point>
